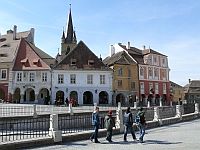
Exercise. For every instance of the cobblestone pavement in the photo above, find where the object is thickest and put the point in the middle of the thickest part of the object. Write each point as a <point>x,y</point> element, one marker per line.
<point>181,136</point>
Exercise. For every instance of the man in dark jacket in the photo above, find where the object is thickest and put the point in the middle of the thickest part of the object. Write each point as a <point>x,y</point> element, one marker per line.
<point>128,124</point>
<point>109,124</point>
<point>95,124</point>
<point>141,123</point>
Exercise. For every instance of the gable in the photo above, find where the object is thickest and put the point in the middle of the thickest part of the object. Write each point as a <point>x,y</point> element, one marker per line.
<point>81,57</point>
<point>27,59</point>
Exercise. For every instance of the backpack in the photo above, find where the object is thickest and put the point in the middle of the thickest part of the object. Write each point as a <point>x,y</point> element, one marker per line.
<point>137,119</point>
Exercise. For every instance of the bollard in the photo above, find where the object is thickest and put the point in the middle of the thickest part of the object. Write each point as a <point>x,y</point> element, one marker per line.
<point>34,111</point>
<point>157,115</point>
<point>197,108</point>
<point>54,132</point>
<point>119,118</point>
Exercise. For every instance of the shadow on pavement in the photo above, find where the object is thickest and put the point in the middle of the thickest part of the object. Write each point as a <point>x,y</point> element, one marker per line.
<point>159,142</point>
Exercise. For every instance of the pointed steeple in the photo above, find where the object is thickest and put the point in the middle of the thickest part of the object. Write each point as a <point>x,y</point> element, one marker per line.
<point>70,30</point>
<point>68,40</point>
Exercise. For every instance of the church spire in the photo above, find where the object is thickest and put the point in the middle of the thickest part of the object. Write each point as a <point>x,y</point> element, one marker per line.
<point>70,30</point>
<point>68,40</point>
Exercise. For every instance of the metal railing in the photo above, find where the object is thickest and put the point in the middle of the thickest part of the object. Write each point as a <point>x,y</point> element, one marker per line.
<point>15,129</point>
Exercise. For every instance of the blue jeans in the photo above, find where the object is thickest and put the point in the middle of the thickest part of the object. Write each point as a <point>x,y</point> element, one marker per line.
<point>142,131</point>
<point>95,133</point>
<point>126,129</point>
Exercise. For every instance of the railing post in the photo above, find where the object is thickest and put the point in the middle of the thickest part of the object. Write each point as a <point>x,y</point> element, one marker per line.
<point>197,108</point>
<point>54,132</point>
<point>70,109</point>
<point>135,105</point>
<point>178,111</point>
<point>119,118</point>
<point>148,104</point>
<point>160,102</point>
<point>34,111</point>
<point>157,115</point>
<point>171,103</point>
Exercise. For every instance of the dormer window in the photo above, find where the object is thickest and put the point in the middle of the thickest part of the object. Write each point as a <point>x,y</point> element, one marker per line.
<point>73,61</point>
<point>37,62</point>
<point>25,62</point>
<point>90,62</point>
<point>6,45</point>
<point>3,55</point>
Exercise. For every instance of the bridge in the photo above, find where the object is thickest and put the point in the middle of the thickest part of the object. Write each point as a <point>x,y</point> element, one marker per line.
<point>29,130</point>
<point>180,136</point>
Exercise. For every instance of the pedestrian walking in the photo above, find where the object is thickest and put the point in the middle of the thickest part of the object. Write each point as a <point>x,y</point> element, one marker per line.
<point>109,124</point>
<point>141,123</point>
<point>95,124</point>
<point>128,124</point>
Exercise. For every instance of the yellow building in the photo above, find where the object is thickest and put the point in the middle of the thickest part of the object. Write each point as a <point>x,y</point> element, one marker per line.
<point>125,78</point>
<point>177,92</point>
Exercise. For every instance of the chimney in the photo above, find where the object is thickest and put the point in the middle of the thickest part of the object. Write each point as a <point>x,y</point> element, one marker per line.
<point>189,80</point>
<point>144,47</point>
<point>14,32</point>
<point>32,35</point>
<point>112,50</point>
<point>128,45</point>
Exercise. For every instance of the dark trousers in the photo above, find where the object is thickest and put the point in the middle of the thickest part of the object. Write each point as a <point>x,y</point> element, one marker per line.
<point>109,135</point>
<point>126,129</point>
<point>95,133</point>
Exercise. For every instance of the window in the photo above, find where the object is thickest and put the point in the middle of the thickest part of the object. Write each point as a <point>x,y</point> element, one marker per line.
<point>91,62</point>
<point>151,90</point>
<point>73,61</point>
<point>129,73</point>
<point>44,77</point>
<point>142,87</point>
<point>132,85</point>
<point>119,83</point>
<point>4,74</point>
<point>142,71</point>
<point>150,72</point>
<point>32,77</point>
<point>60,78</point>
<point>155,60</point>
<point>102,79</point>
<point>89,79</point>
<point>156,73</point>
<point>19,77</point>
<point>72,78</point>
<point>120,72</point>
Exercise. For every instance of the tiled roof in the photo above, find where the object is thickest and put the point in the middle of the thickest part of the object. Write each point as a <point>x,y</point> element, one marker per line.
<point>81,53</point>
<point>118,58</point>
<point>9,46</point>
<point>44,56</point>
<point>28,59</point>
<point>135,53</point>
<point>148,51</point>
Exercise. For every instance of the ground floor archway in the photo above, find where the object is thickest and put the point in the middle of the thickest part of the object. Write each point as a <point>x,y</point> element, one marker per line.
<point>29,95</point>
<point>16,96</point>
<point>120,98</point>
<point>59,98</point>
<point>2,94</point>
<point>87,97</point>
<point>103,97</point>
<point>43,96</point>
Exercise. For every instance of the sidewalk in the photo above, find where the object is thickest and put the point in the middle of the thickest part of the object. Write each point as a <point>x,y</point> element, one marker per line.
<point>177,136</point>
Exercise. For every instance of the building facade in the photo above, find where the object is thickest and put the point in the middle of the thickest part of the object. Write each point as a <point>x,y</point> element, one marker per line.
<point>79,75</point>
<point>9,44</point>
<point>153,74</point>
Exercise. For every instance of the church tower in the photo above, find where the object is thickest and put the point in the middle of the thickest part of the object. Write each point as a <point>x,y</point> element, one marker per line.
<point>68,40</point>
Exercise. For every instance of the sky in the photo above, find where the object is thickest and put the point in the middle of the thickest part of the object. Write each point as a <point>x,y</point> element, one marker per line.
<point>171,27</point>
